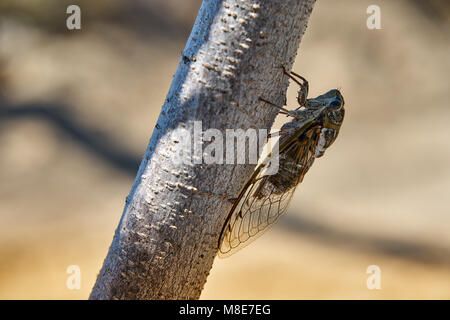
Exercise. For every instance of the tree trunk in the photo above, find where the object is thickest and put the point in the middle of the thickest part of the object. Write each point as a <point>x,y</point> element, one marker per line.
<point>168,235</point>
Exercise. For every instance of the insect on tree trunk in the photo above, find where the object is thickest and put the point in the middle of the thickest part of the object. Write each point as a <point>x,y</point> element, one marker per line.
<point>166,240</point>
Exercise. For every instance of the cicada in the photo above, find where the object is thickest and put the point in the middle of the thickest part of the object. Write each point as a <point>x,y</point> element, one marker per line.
<point>264,198</point>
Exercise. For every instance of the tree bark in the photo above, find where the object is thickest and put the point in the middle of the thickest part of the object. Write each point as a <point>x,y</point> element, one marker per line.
<point>167,238</point>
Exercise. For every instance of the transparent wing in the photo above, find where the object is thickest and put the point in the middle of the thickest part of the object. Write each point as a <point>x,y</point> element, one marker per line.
<point>265,198</point>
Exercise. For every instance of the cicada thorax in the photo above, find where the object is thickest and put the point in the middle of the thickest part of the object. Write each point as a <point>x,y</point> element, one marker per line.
<point>294,160</point>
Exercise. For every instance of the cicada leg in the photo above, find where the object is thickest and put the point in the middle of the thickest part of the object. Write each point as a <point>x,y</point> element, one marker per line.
<point>302,97</point>
<point>282,110</point>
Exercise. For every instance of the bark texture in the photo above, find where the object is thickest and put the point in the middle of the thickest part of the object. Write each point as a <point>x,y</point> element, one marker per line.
<point>167,237</point>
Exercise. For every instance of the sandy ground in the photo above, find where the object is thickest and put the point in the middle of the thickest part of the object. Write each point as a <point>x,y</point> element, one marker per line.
<point>82,107</point>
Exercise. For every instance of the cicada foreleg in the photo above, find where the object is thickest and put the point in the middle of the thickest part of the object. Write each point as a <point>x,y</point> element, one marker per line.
<point>302,96</point>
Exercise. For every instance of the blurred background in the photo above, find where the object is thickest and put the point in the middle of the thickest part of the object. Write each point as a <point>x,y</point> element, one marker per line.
<point>77,109</point>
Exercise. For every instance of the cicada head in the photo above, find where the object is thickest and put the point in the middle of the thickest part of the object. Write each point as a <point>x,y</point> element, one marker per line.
<point>333,111</point>
<point>329,110</point>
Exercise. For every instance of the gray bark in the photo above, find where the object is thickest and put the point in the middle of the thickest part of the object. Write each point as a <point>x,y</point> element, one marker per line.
<point>167,237</point>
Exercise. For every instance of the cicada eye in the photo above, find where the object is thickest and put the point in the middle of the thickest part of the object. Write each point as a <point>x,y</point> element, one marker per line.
<point>336,104</point>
